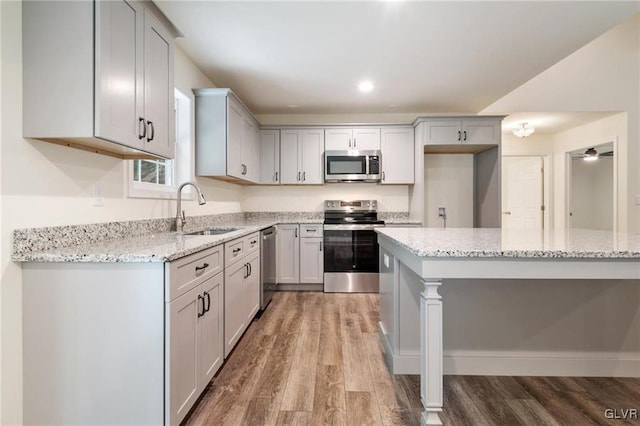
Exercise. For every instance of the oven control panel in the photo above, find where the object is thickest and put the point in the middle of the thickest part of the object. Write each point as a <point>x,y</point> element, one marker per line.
<point>342,205</point>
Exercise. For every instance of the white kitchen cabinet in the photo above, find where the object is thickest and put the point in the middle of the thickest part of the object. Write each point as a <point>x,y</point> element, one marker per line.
<point>397,152</point>
<point>227,137</point>
<point>288,254</point>
<point>270,156</point>
<point>242,287</point>
<point>311,260</point>
<point>360,138</point>
<point>301,156</point>
<point>211,348</point>
<point>99,76</point>
<point>481,131</point>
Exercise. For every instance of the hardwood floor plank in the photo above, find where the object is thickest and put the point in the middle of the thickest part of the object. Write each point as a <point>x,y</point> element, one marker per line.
<point>330,334</point>
<point>357,375</point>
<point>362,409</point>
<point>293,418</point>
<point>531,412</point>
<point>299,391</point>
<point>329,405</point>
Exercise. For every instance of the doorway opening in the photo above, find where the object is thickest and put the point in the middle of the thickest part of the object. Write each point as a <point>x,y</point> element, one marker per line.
<point>525,192</point>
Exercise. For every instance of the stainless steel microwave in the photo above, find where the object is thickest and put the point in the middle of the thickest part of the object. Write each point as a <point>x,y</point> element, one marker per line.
<point>352,166</point>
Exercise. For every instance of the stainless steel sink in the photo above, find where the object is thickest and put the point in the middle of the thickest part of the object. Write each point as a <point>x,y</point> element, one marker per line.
<point>213,231</point>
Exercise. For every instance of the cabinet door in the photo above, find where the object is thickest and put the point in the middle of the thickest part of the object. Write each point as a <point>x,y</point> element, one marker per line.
<point>481,131</point>
<point>211,332</point>
<point>235,124</point>
<point>183,353</point>
<point>234,323</point>
<point>252,288</point>
<point>290,141</point>
<point>270,156</point>
<point>311,260</point>
<point>311,158</point>
<point>366,139</point>
<point>254,168</point>
<point>158,89</point>
<point>338,139</point>
<point>288,254</point>
<point>249,149</point>
<point>119,72</point>
<point>397,155</point>
<point>443,132</point>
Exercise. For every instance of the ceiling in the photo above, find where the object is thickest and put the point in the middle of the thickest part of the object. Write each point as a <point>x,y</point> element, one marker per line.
<point>428,57</point>
<point>551,122</point>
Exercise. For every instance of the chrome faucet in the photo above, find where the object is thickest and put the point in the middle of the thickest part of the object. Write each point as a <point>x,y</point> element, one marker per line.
<point>180,218</point>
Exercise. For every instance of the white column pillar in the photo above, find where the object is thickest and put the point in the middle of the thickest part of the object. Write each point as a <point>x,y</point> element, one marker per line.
<point>431,352</point>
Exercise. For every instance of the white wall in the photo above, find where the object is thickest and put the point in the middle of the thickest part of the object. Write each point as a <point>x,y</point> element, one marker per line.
<point>44,184</point>
<point>592,193</point>
<point>309,198</point>
<point>448,183</point>
<point>604,75</point>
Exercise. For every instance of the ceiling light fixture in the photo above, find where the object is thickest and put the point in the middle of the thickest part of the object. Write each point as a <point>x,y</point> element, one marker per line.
<point>591,155</point>
<point>523,130</point>
<point>365,86</point>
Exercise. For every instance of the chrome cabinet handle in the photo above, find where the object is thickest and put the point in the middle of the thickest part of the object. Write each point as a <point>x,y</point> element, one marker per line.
<point>295,232</point>
<point>152,133</point>
<point>298,176</point>
<point>354,142</point>
<point>142,130</point>
<point>276,177</point>
<point>349,142</point>
<point>304,176</point>
<point>200,268</point>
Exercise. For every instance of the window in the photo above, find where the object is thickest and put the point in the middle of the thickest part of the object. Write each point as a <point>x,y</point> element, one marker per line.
<point>160,178</point>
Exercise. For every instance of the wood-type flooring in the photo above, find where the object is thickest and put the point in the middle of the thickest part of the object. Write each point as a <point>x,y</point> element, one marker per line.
<point>316,359</point>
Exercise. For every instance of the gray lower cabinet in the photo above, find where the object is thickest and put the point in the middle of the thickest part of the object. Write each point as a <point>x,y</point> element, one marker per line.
<point>126,343</point>
<point>300,254</point>
<point>311,260</point>
<point>242,287</point>
<point>288,253</point>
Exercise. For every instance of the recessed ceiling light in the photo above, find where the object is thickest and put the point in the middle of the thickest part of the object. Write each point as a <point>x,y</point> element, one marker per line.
<point>393,105</point>
<point>293,106</point>
<point>365,86</point>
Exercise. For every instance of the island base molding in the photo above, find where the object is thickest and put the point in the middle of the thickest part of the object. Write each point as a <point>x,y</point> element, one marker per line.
<point>509,363</point>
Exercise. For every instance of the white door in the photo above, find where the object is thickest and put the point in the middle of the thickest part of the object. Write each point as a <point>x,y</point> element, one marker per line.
<point>397,155</point>
<point>158,89</point>
<point>234,323</point>
<point>270,156</point>
<point>311,260</point>
<point>288,254</point>
<point>119,59</point>
<point>252,288</point>
<point>522,192</point>
<point>443,132</point>
<point>338,139</point>
<point>366,139</point>
<point>183,353</point>
<point>290,142</point>
<point>311,156</point>
<point>235,124</point>
<point>210,329</point>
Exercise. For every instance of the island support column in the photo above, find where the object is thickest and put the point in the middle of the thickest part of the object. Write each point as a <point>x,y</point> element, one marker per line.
<point>431,352</point>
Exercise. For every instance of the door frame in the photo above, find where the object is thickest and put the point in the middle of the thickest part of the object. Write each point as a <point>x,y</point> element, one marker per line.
<point>547,196</point>
<point>567,168</point>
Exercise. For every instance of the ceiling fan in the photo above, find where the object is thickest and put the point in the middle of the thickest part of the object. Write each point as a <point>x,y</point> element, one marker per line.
<point>591,154</point>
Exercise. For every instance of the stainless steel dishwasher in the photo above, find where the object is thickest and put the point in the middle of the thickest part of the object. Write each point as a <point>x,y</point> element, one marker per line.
<point>268,283</point>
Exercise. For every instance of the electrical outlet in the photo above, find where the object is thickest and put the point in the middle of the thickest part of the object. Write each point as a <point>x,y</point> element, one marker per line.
<point>442,212</point>
<point>98,199</point>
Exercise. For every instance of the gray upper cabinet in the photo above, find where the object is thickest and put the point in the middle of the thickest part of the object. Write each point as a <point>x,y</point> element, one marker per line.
<point>103,84</point>
<point>301,153</point>
<point>397,152</point>
<point>270,157</point>
<point>227,137</point>
<point>360,138</point>
<point>462,134</point>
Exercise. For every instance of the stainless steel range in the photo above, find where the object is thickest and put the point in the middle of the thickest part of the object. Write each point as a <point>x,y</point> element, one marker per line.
<point>351,246</point>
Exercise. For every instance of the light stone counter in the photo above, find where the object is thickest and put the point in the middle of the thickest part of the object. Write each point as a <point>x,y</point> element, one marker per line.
<point>487,242</point>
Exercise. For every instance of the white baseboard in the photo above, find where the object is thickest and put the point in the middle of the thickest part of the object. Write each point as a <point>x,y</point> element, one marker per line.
<point>511,363</point>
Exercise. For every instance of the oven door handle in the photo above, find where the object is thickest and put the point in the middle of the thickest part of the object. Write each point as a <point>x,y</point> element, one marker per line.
<point>351,227</point>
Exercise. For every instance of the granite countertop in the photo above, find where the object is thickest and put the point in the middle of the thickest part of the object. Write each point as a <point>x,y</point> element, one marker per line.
<point>495,242</point>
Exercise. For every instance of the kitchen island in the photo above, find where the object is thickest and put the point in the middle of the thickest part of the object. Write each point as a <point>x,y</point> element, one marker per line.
<point>414,263</point>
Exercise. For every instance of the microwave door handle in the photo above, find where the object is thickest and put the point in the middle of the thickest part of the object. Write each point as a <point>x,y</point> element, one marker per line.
<point>366,165</point>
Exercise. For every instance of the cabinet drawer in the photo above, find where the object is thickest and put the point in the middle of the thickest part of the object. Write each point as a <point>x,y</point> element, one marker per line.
<point>252,242</point>
<point>184,274</point>
<point>310,231</point>
<point>234,251</point>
